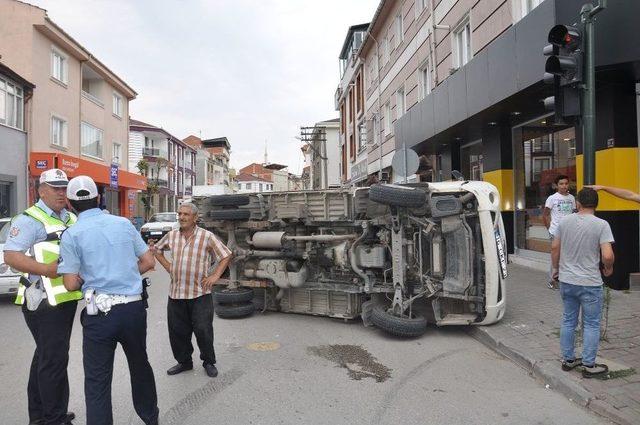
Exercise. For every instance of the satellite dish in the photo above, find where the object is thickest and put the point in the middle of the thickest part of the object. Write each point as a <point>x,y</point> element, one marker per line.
<point>405,162</point>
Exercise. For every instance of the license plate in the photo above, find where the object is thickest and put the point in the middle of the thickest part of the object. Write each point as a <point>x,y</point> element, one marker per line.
<point>502,257</point>
<point>155,233</point>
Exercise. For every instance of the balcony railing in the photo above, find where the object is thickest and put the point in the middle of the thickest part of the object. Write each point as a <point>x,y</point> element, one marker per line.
<point>157,152</point>
<point>160,182</point>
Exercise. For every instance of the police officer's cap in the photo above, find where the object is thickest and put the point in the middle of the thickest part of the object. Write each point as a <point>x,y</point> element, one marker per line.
<point>81,188</point>
<point>54,177</point>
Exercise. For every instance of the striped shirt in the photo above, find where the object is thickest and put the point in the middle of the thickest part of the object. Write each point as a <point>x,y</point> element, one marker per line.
<point>191,260</point>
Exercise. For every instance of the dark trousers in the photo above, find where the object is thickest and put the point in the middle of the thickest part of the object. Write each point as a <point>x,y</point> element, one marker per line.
<point>125,324</point>
<point>187,317</point>
<point>48,388</point>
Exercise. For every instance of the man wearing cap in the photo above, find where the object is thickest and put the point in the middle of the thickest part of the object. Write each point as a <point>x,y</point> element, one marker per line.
<point>49,309</point>
<point>104,255</point>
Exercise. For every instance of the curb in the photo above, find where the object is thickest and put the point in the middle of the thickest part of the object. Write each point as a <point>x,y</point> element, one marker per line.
<point>548,372</point>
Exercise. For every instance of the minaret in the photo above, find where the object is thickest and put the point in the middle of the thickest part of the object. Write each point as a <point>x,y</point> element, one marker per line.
<point>265,152</point>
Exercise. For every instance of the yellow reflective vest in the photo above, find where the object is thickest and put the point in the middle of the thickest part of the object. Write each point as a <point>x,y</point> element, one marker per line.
<point>47,252</point>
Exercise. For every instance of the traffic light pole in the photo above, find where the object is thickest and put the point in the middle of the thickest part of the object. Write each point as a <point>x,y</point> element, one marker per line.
<point>587,14</point>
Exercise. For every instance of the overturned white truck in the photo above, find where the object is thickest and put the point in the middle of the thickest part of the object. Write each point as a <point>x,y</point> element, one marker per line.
<point>373,252</point>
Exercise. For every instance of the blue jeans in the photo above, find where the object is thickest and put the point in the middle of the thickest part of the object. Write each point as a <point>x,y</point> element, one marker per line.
<point>589,299</point>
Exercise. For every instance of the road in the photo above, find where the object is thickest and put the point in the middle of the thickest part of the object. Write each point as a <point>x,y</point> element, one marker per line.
<point>294,369</point>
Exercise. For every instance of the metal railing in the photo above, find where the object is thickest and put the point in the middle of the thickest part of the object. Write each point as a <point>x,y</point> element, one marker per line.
<point>154,152</point>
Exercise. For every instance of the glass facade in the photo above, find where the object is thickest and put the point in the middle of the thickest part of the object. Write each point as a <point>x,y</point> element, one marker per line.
<point>541,154</point>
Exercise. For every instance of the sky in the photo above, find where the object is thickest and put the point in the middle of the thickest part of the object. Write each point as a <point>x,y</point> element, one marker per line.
<point>250,70</point>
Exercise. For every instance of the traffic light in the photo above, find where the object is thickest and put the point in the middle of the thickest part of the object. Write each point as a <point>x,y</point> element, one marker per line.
<point>565,54</point>
<point>563,69</point>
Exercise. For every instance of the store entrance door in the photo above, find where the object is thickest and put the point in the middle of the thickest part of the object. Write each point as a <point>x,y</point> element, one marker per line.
<point>541,153</point>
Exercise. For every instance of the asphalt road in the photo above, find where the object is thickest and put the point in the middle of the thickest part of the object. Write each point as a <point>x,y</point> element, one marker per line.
<point>292,369</point>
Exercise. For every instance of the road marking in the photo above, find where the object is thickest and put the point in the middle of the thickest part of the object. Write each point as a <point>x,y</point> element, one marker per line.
<point>264,346</point>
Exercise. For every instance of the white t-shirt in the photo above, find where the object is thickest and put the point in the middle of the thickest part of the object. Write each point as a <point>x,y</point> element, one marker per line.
<point>560,206</point>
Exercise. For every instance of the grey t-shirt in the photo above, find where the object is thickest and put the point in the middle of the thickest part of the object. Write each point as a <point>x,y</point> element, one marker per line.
<point>580,238</point>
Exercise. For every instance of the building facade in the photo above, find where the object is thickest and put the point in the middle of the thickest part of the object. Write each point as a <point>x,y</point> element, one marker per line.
<point>169,165</point>
<point>250,183</point>
<point>212,161</point>
<point>15,93</point>
<point>460,82</point>
<point>350,102</point>
<point>276,174</point>
<point>79,114</point>
<point>322,150</point>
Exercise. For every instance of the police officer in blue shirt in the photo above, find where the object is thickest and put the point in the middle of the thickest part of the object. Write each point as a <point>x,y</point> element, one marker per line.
<point>49,310</point>
<point>104,255</point>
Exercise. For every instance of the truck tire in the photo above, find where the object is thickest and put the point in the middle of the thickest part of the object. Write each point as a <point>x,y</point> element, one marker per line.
<point>230,215</point>
<point>232,296</point>
<point>234,311</point>
<point>228,200</point>
<point>400,196</point>
<point>407,327</point>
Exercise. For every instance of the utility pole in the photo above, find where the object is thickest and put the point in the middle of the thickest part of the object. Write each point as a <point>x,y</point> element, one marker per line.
<point>587,15</point>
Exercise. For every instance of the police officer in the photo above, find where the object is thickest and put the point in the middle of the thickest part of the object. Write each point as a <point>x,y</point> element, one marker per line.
<point>49,309</point>
<point>104,255</point>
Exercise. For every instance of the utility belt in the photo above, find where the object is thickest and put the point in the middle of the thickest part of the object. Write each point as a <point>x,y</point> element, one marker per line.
<point>104,302</point>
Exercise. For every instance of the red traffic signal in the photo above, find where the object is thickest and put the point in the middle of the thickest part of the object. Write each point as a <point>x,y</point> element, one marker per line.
<point>565,36</point>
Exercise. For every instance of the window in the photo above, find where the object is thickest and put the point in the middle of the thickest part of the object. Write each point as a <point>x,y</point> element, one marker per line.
<point>399,29</point>
<point>11,104</point>
<point>385,50</point>
<point>539,165</point>
<point>91,140</point>
<point>359,97</point>
<point>462,43</point>
<point>351,106</point>
<point>424,80</point>
<point>117,105</point>
<point>116,154</point>
<point>58,132</point>
<point>362,137</point>
<point>528,6</point>
<point>260,187</point>
<point>247,186</point>
<point>343,118</point>
<point>376,130</point>
<point>387,118</point>
<point>400,102</point>
<point>59,66</point>
<point>420,6</point>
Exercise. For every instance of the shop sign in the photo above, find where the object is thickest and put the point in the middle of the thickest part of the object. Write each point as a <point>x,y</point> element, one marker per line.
<point>113,176</point>
<point>42,164</point>
<point>359,171</point>
<point>132,194</point>
<point>68,166</point>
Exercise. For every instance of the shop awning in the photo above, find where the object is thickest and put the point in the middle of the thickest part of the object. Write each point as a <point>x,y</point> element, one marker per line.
<point>73,166</point>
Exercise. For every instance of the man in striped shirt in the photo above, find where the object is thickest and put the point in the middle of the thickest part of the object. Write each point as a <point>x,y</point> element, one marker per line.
<point>190,305</point>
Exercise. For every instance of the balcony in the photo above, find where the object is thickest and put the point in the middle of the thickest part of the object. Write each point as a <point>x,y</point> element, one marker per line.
<point>160,182</point>
<point>154,152</point>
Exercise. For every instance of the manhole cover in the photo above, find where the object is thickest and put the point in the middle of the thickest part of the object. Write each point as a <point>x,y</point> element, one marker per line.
<point>264,346</point>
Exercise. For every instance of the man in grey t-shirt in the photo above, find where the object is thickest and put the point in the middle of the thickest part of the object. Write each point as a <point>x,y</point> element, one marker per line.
<point>581,241</point>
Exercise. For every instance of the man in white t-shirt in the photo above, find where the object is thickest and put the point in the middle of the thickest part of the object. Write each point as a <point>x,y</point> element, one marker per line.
<point>557,206</point>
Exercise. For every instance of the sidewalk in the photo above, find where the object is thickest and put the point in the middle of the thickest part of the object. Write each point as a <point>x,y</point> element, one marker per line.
<point>529,334</point>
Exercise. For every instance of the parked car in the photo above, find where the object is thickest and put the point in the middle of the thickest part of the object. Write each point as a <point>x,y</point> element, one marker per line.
<point>159,225</point>
<point>9,279</point>
<point>377,252</point>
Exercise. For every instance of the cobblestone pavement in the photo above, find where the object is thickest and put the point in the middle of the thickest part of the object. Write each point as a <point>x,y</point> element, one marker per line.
<point>530,335</point>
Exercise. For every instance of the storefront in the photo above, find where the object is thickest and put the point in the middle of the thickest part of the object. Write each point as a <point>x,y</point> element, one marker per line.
<point>488,122</point>
<point>117,188</point>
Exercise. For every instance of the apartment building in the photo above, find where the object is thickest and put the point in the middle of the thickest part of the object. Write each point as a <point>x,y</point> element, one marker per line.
<point>275,174</point>
<point>322,149</point>
<point>169,164</point>
<point>78,116</point>
<point>251,183</point>
<point>349,100</point>
<point>460,82</point>
<point>15,93</point>
<point>212,160</point>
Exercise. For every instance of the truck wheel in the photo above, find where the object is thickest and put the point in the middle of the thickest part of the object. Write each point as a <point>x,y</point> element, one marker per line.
<point>407,327</point>
<point>233,311</point>
<point>395,195</point>
<point>230,215</point>
<point>232,296</point>
<point>228,200</point>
